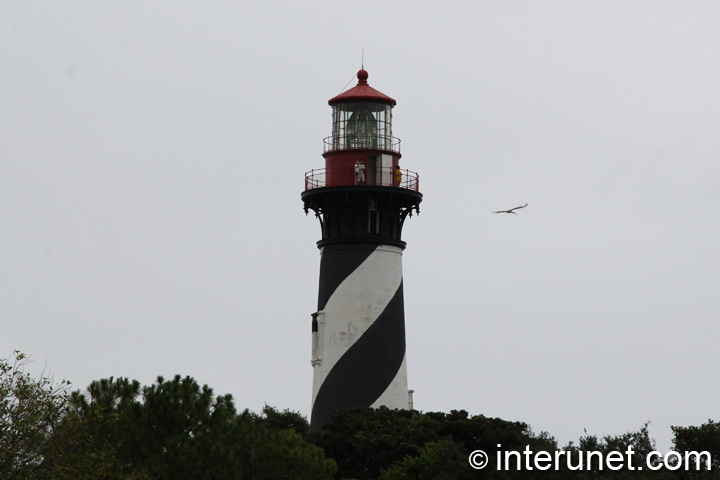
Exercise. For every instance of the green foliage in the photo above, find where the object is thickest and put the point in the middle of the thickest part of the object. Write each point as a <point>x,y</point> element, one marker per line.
<point>178,429</point>
<point>441,460</point>
<point>638,440</point>
<point>74,453</point>
<point>397,443</point>
<point>120,430</point>
<point>282,454</point>
<point>30,410</point>
<point>275,420</point>
<point>705,438</point>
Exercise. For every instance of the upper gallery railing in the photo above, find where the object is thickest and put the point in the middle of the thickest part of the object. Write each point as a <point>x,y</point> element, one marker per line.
<point>385,177</point>
<point>350,142</point>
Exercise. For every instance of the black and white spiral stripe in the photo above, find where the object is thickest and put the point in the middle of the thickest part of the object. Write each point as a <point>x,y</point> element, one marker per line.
<point>363,336</point>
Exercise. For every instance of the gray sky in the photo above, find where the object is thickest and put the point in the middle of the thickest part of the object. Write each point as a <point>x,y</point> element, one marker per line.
<point>152,157</point>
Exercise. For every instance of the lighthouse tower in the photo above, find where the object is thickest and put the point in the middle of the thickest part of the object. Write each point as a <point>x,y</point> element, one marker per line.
<point>361,198</point>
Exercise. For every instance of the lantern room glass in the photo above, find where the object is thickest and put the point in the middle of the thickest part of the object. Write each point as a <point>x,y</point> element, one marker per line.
<point>362,125</point>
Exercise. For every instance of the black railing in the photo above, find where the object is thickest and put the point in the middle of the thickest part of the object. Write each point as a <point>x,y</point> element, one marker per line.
<point>383,177</point>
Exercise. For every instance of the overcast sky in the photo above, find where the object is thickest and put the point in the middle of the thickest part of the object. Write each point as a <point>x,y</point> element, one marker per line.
<point>152,156</point>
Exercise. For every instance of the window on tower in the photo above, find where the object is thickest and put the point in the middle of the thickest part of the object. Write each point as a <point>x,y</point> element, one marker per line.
<point>362,125</point>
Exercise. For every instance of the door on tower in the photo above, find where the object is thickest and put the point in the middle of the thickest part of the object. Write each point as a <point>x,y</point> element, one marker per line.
<point>379,170</point>
<point>385,170</point>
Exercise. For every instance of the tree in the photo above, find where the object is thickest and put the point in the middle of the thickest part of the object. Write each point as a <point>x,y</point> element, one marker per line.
<point>74,453</point>
<point>30,410</point>
<point>369,442</point>
<point>705,438</point>
<point>641,444</point>
<point>179,429</point>
<point>274,419</point>
<point>441,460</point>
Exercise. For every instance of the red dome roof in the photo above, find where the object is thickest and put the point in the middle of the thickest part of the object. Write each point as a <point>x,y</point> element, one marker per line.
<point>362,91</point>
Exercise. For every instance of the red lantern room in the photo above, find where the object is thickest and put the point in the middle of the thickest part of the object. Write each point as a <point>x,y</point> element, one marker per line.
<point>362,149</point>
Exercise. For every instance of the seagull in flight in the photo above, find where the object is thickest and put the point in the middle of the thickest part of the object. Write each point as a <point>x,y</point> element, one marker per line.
<point>512,210</point>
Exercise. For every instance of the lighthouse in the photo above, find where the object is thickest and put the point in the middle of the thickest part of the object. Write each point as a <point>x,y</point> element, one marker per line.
<point>361,197</point>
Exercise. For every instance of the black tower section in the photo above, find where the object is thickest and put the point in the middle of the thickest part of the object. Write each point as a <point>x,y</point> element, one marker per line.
<point>361,214</point>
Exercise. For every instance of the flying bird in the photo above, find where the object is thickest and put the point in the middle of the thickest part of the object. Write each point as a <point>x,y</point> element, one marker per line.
<point>512,210</point>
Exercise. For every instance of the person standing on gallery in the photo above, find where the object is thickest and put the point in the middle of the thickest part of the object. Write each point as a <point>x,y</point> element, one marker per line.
<point>361,173</point>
